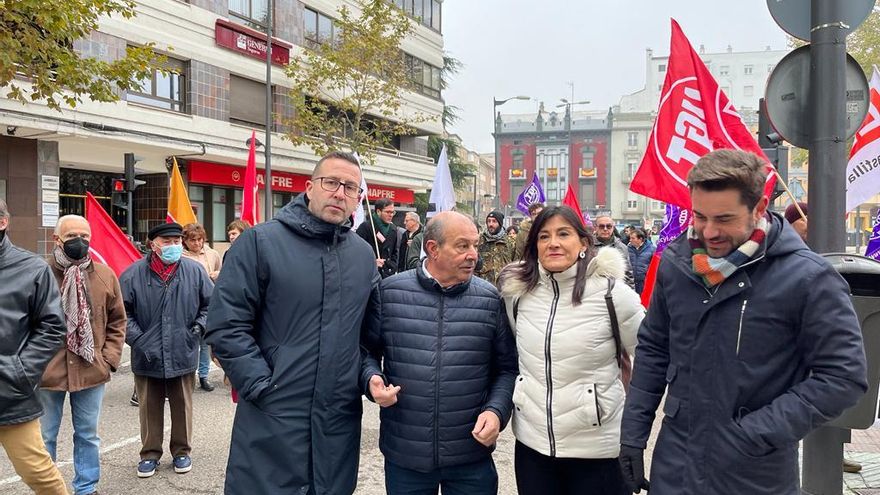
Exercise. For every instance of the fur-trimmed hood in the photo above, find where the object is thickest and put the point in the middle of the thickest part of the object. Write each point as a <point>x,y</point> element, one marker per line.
<point>607,262</point>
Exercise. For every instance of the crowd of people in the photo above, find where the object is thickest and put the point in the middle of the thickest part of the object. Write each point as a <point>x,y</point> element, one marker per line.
<point>455,333</point>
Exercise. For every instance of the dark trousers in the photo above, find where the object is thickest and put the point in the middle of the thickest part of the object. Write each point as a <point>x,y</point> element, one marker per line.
<point>538,474</point>
<point>151,408</point>
<point>478,478</point>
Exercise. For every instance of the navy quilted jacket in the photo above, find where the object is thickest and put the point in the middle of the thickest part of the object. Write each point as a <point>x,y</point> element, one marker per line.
<point>453,355</point>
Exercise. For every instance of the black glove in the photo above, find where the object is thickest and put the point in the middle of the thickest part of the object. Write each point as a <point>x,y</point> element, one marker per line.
<point>197,330</point>
<point>632,462</point>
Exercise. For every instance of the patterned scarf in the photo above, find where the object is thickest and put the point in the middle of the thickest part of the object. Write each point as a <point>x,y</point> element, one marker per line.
<point>713,271</point>
<point>75,303</point>
<point>165,272</point>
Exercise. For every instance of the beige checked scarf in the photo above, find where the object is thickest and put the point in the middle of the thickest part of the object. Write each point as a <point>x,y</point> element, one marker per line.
<point>75,302</point>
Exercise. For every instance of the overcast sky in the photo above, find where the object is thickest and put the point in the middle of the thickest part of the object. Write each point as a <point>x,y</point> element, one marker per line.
<point>536,47</point>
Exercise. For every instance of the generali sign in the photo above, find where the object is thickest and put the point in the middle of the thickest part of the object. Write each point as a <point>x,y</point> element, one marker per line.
<point>249,42</point>
<point>218,174</point>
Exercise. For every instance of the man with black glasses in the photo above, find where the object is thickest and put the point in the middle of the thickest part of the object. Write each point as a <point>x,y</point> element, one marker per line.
<point>284,322</point>
<point>605,236</point>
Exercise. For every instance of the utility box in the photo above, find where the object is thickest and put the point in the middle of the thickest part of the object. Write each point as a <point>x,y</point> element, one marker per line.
<point>863,276</point>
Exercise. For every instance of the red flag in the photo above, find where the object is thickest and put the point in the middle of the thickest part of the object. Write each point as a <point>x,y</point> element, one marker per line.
<point>571,201</point>
<point>650,277</point>
<point>694,117</point>
<point>249,210</point>
<point>108,245</point>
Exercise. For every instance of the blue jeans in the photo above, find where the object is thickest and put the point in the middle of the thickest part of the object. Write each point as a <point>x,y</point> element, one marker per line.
<point>85,407</point>
<point>204,358</point>
<point>478,478</point>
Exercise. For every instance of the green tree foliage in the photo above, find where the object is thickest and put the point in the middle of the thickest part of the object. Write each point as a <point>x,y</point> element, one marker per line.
<point>38,60</point>
<point>352,88</point>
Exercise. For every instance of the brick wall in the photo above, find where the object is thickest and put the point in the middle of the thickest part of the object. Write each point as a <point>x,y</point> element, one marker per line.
<point>208,91</point>
<point>102,46</point>
<point>288,24</point>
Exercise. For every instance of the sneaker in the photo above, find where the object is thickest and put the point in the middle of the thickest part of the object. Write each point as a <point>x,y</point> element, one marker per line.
<point>205,384</point>
<point>850,466</point>
<point>182,464</point>
<point>147,468</point>
<point>134,399</point>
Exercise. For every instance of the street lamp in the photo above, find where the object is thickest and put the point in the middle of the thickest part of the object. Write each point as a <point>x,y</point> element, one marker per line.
<point>567,104</point>
<point>495,117</point>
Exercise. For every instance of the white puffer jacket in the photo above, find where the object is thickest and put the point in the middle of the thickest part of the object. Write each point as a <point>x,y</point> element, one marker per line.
<point>567,360</point>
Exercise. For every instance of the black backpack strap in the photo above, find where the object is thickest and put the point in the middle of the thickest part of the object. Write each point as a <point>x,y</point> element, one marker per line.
<point>515,309</point>
<point>612,313</point>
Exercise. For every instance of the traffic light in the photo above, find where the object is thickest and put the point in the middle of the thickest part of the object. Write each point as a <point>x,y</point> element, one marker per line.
<point>131,182</point>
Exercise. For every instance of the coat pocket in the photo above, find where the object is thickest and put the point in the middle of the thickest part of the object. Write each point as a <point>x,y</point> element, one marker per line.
<point>590,407</point>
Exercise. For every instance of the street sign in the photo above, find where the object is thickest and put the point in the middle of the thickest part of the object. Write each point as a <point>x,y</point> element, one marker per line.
<point>793,16</point>
<point>788,97</point>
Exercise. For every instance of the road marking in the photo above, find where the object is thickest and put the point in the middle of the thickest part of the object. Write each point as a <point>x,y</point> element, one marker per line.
<point>104,450</point>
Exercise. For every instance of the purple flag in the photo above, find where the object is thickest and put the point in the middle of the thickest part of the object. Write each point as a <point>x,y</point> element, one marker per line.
<point>873,249</point>
<point>676,221</point>
<point>532,193</point>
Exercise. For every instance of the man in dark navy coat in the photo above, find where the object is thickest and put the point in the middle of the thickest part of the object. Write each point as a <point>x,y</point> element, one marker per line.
<point>751,335</point>
<point>284,322</point>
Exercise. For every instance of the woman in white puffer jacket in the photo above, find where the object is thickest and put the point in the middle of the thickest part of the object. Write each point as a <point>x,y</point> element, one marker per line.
<point>568,397</point>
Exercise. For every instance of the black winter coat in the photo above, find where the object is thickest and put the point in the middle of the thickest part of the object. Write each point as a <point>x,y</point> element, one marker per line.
<point>452,353</point>
<point>285,321</point>
<point>749,368</point>
<point>387,249</point>
<point>164,323</point>
<point>32,329</point>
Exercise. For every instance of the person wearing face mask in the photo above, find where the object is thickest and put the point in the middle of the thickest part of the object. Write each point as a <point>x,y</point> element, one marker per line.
<point>92,302</point>
<point>570,392</point>
<point>32,329</point>
<point>166,299</point>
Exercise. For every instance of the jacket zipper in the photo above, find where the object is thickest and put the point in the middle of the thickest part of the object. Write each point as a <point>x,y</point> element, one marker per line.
<point>437,385</point>
<point>548,367</point>
<point>598,409</point>
<point>742,315</point>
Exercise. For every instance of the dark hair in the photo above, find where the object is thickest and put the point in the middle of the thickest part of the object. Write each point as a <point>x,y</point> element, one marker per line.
<point>339,155</point>
<point>638,232</point>
<point>382,203</point>
<point>514,228</point>
<point>535,206</point>
<point>730,169</point>
<point>239,225</point>
<point>528,271</point>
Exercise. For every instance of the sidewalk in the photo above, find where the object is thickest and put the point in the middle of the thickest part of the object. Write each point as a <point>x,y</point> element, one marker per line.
<point>865,449</point>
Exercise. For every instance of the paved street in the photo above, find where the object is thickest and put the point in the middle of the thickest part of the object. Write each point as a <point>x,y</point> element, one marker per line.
<point>213,413</point>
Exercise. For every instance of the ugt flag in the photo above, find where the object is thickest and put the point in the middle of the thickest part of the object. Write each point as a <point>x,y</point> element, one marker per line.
<point>108,245</point>
<point>863,168</point>
<point>676,221</point>
<point>694,117</point>
<point>873,250</point>
<point>530,194</point>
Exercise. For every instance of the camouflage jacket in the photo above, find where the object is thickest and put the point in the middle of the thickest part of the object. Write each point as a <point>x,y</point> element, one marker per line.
<point>495,255</point>
<point>521,237</point>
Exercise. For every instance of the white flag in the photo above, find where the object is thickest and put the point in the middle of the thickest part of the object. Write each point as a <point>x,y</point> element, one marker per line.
<point>863,168</point>
<point>442,194</point>
<point>359,216</point>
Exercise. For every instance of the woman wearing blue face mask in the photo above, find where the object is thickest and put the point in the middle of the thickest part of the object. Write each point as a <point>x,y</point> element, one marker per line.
<point>166,301</point>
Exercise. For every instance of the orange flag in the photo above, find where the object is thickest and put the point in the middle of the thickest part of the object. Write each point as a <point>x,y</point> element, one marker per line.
<point>179,208</point>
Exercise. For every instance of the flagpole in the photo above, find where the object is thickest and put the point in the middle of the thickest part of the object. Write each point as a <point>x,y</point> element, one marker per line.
<point>267,145</point>
<point>369,214</point>
<point>790,195</point>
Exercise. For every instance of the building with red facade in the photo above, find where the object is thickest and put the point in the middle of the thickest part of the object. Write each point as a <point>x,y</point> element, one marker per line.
<point>563,149</point>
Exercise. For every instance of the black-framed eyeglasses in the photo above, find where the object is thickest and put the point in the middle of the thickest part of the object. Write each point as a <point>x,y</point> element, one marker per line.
<point>330,184</point>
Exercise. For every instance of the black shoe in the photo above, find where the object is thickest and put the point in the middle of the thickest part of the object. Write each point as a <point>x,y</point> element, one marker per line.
<point>205,385</point>
<point>134,399</point>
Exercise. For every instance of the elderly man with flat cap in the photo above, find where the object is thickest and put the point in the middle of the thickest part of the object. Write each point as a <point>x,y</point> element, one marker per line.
<point>166,299</point>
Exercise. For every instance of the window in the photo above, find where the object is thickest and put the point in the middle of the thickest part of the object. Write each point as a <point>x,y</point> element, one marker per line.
<point>748,91</point>
<point>588,159</point>
<point>427,12</point>
<point>632,204</point>
<point>724,70</point>
<point>318,28</point>
<point>632,138</point>
<point>252,13</point>
<point>631,168</point>
<point>247,101</point>
<point>517,159</point>
<point>661,68</point>
<point>748,69</point>
<point>166,91</point>
<point>657,205</point>
<point>424,76</point>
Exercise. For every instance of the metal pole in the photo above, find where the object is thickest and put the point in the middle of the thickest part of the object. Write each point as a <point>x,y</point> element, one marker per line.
<point>269,206</point>
<point>823,448</point>
<point>129,215</point>
<point>858,228</point>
